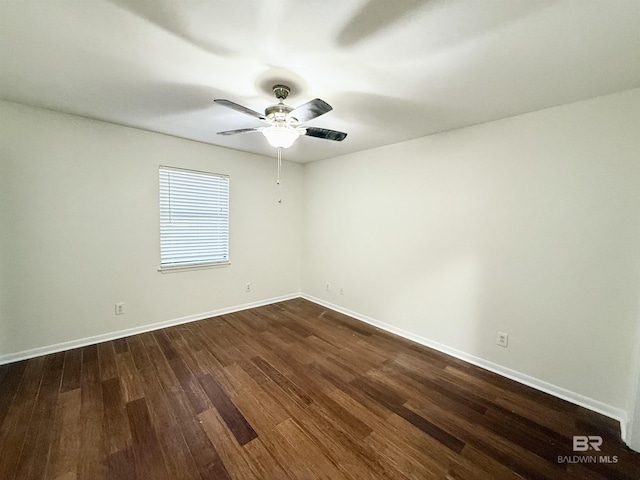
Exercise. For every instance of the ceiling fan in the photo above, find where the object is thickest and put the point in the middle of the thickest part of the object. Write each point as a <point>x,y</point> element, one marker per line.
<point>284,122</point>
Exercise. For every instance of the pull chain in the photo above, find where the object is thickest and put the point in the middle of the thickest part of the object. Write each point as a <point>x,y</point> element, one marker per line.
<point>279,163</point>
<point>279,172</point>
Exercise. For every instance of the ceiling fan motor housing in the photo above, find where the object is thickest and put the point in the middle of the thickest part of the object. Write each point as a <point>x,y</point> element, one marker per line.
<point>278,113</point>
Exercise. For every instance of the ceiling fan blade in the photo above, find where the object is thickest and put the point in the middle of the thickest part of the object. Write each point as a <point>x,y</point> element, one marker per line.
<point>241,130</point>
<point>240,108</point>
<point>324,133</point>
<point>310,110</point>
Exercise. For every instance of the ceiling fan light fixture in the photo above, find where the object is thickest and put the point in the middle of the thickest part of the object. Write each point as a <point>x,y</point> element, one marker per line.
<point>286,123</point>
<point>281,136</point>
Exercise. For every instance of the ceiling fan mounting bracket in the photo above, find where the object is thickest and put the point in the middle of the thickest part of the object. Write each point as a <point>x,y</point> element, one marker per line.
<point>281,92</point>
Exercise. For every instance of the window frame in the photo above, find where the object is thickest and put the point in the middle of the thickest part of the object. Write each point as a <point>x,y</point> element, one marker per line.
<point>168,268</point>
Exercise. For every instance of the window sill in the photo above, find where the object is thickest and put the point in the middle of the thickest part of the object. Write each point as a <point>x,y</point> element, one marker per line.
<point>193,267</point>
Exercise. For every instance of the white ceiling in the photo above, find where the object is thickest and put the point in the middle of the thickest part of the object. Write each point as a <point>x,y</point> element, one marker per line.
<point>392,70</point>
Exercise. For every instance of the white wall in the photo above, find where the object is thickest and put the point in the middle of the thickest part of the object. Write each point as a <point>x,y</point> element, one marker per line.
<point>633,429</point>
<point>633,425</point>
<point>79,229</point>
<point>528,225</point>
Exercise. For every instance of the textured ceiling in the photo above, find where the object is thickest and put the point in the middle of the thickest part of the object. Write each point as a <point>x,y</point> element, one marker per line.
<point>392,70</point>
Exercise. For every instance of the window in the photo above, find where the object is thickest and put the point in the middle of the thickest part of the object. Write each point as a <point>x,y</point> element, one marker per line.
<point>194,219</point>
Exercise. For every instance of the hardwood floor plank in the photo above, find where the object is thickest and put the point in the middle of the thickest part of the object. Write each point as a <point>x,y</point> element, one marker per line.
<point>347,387</point>
<point>238,465</point>
<point>3,372</point>
<point>302,375</point>
<point>208,363</point>
<point>131,387</point>
<point>514,457</point>
<point>395,404</point>
<point>292,409</point>
<point>216,337</point>
<point>331,360</point>
<point>431,429</point>
<point>400,446</point>
<point>545,445</point>
<point>476,460</point>
<point>264,462</point>
<point>92,458</point>
<point>9,386</point>
<point>427,386</point>
<point>288,387</point>
<point>202,451</point>
<point>295,464</point>
<point>233,418</point>
<point>317,463</point>
<point>288,322</point>
<point>178,459</point>
<point>161,366</point>
<point>72,370</point>
<point>353,457</point>
<point>190,386</point>
<point>194,342</point>
<point>65,448</point>
<point>121,465</point>
<point>38,438</point>
<point>411,467</point>
<point>107,361</point>
<point>334,410</point>
<point>595,420</point>
<point>539,440</point>
<point>115,423</point>
<point>149,461</point>
<point>165,345</point>
<point>427,358</point>
<point>138,352</point>
<point>120,345</point>
<point>18,418</point>
<point>261,410</point>
<point>183,373</point>
<point>543,416</point>
<point>90,353</point>
<point>185,352</point>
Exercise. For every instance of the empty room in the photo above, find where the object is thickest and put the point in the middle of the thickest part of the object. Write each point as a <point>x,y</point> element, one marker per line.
<point>280,239</point>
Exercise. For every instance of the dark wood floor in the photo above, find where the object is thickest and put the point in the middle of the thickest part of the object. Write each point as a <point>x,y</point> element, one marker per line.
<point>287,391</point>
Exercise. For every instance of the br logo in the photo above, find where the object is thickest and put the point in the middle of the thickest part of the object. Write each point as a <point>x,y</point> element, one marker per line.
<point>582,443</point>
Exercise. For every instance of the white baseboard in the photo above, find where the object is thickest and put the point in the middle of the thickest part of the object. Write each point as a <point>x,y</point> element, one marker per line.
<point>555,390</point>
<point>105,337</point>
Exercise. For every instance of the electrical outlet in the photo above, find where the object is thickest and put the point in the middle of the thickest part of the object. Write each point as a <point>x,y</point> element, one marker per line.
<point>119,308</point>
<point>328,287</point>
<point>247,287</point>
<point>502,339</point>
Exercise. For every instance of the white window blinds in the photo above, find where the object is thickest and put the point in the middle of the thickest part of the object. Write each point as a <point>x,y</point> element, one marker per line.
<point>194,218</point>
